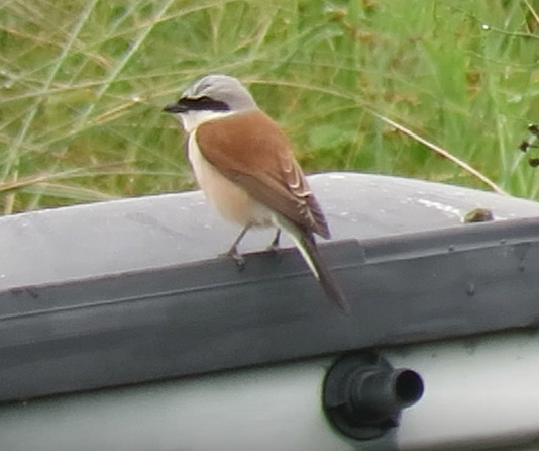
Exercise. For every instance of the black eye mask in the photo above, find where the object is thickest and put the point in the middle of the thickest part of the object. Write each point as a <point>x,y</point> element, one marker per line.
<point>204,103</point>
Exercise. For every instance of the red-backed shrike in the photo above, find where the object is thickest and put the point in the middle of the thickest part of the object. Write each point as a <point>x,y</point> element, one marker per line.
<point>244,164</point>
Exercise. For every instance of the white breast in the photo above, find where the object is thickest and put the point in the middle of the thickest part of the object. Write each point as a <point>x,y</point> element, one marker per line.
<point>229,199</point>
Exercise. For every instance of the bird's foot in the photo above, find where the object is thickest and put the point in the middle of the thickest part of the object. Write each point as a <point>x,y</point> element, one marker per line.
<point>275,246</point>
<point>238,258</point>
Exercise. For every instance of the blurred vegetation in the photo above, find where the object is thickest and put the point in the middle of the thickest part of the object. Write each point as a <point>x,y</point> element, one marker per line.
<point>83,82</point>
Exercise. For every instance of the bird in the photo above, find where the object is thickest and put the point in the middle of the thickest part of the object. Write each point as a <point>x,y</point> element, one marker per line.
<point>244,163</point>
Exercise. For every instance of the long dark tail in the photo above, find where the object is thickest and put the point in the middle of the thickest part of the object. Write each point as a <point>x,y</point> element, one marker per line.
<point>311,254</point>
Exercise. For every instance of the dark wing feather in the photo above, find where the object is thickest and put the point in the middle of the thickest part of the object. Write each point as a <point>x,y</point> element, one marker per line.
<point>251,150</point>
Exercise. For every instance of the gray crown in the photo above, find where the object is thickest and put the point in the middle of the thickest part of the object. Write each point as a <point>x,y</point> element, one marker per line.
<point>222,88</point>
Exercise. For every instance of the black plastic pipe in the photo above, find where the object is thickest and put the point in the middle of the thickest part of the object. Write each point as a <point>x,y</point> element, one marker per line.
<point>364,395</point>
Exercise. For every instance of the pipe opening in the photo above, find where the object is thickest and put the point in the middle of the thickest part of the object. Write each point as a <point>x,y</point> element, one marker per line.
<point>409,386</point>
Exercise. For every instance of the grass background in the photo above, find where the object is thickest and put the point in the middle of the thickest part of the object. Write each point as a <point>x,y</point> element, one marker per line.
<point>82,83</point>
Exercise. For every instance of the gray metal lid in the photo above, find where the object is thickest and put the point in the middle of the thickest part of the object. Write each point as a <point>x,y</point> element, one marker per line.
<point>51,246</point>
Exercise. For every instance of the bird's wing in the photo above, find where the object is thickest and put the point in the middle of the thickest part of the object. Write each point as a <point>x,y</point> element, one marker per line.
<point>251,150</point>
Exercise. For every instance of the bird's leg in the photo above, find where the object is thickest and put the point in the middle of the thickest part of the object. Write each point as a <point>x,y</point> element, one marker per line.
<point>275,246</point>
<point>233,251</point>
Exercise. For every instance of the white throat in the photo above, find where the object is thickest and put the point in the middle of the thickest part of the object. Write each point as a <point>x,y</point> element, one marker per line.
<point>192,119</point>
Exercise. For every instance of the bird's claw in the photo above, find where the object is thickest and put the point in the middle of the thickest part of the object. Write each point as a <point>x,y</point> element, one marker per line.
<point>275,246</point>
<point>238,258</point>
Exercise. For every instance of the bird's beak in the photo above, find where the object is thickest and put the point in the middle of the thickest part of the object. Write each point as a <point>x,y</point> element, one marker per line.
<point>176,107</point>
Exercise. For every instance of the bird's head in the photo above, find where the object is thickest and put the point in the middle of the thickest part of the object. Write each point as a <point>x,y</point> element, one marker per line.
<point>211,97</point>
